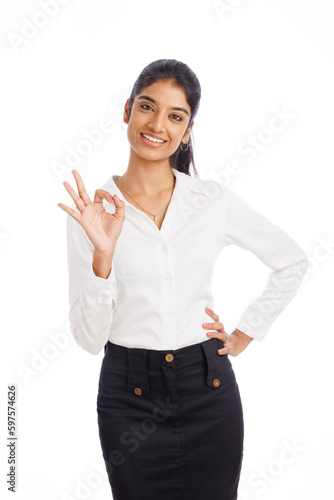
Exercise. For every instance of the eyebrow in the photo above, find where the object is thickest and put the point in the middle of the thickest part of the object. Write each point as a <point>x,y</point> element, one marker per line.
<point>147,98</point>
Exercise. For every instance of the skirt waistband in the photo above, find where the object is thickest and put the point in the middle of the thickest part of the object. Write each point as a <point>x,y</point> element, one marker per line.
<point>181,355</point>
<point>140,359</point>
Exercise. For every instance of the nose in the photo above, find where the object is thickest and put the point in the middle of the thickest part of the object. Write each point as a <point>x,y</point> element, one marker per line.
<point>157,123</point>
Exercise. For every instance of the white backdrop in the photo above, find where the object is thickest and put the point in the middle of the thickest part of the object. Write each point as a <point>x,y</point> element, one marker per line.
<point>67,68</point>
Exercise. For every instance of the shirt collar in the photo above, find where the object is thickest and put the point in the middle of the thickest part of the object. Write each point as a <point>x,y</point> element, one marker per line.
<point>184,184</point>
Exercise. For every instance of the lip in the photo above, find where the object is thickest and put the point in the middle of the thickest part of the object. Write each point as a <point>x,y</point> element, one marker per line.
<point>155,136</point>
<point>153,144</point>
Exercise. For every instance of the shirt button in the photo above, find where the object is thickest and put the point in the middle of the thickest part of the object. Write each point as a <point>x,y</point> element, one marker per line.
<point>137,391</point>
<point>216,382</point>
<point>163,248</point>
<point>169,357</point>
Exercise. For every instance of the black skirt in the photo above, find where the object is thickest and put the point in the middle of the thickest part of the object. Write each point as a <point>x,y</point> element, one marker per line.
<point>170,423</point>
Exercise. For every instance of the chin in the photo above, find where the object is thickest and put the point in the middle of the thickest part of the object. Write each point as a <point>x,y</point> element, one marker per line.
<point>155,153</point>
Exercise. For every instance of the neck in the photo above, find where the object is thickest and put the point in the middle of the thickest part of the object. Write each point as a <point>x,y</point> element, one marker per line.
<point>148,178</point>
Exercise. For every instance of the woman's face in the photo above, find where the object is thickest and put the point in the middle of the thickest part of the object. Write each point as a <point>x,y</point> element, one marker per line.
<point>160,111</point>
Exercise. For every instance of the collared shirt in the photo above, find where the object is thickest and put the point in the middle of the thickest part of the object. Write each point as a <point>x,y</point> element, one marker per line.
<point>160,281</point>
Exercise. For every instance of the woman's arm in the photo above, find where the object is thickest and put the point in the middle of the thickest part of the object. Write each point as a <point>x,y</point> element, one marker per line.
<point>92,290</point>
<point>92,233</point>
<point>102,263</point>
<point>247,228</point>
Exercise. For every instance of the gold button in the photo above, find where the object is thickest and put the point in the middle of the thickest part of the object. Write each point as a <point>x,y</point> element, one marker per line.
<point>137,391</point>
<point>169,357</point>
<point>216,382</point>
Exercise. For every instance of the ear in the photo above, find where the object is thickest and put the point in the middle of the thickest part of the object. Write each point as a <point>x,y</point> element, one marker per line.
<point>126,112</point>
<point>187,134</point>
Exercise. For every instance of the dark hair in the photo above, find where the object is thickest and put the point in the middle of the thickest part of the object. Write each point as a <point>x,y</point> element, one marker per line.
<point>183,76</point>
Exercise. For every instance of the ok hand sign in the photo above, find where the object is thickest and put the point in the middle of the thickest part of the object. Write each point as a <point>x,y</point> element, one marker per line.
<point>102,228</point>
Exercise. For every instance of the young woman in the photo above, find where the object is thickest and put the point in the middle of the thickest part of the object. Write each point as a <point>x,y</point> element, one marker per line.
<point>169,410</point>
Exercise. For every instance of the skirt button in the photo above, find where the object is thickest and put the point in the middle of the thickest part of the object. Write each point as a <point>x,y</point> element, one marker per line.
<point>216,382</point>
<point>169,357</point>
<point>137,391</point>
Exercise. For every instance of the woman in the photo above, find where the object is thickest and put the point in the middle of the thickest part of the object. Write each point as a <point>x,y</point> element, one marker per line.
<point>169,410</point>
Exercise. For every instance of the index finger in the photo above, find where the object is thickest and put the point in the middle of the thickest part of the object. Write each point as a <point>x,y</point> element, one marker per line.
<point>213,315</point>
<point>81,187</point>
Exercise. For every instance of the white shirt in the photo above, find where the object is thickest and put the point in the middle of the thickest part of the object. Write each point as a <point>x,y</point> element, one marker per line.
<point>160,282</point>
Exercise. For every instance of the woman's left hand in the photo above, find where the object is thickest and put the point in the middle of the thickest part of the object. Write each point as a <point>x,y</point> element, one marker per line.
<point>234,343</point>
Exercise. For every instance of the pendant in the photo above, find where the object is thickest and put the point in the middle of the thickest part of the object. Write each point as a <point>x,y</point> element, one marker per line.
<point>155,218</point>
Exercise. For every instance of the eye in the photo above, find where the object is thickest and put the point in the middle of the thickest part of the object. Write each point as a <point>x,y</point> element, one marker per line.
<point>178,118</point>
<point>142,106</point>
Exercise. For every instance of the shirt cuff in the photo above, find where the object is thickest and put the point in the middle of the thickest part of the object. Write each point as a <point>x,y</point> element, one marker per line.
<point>103,287</point>
<point>259,332</point>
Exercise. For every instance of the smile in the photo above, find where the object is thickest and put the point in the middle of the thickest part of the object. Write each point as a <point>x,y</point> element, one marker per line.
<point>153,139</point>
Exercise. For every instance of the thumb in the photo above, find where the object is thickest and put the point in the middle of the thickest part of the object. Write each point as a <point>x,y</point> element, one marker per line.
<point>120,210</point>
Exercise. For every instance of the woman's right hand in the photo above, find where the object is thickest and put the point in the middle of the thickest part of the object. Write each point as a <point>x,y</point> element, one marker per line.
<point>102,228</point>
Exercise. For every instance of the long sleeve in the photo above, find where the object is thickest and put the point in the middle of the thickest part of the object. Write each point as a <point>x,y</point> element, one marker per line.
<point>92,299</point>
<point>252,231</point>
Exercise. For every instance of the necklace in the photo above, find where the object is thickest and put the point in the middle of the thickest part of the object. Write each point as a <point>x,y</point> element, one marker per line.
<point>153,215</point>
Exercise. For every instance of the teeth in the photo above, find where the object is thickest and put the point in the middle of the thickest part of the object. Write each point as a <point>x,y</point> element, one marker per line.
<point>152,139</point>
